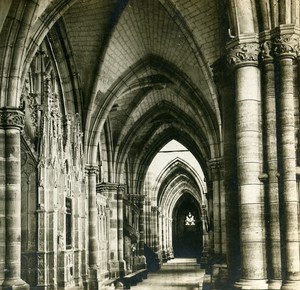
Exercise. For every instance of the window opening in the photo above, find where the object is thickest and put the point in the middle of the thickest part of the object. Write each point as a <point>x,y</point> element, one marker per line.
<point>190,220</point>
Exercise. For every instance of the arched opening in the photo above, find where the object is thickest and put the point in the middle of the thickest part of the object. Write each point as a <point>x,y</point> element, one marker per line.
<point>187,228</point>
<point>175,187</point>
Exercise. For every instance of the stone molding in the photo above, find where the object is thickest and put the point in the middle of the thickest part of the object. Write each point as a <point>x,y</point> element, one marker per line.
<point>12,118</point>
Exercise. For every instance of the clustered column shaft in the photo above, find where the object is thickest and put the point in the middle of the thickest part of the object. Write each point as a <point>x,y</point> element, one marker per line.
<point>286,49</point>
<point>120,196</point>
<point>141,226</point>
<point>272,193</point>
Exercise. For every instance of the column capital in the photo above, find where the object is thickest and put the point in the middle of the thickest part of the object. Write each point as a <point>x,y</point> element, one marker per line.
<point>243,51</point>
<point>11,117</point>
<point>286,41</point>
<point>107,186</point>
<point>120,191</point>
<point>216,163</point>
<point>136,198</point>
<point>91,169</point>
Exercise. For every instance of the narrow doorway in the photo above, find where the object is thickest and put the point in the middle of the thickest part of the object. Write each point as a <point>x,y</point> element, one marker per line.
<point>187,228</point>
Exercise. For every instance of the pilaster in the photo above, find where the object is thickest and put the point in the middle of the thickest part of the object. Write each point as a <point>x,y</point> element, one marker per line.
<point>12,122</point>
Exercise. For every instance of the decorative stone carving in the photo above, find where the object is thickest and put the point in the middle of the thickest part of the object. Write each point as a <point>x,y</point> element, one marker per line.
<point>266,50</point>
<point>41,268</point>
<point>216,163</point>
<point>243,54</point>
<point>12,117</point>
<point>286,45</point>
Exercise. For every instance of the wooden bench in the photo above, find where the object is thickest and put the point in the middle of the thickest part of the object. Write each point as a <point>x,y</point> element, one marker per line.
<point>133,278</point>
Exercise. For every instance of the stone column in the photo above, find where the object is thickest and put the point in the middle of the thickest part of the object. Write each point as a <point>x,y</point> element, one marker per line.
<point>2,203</point>
<point>12,121</point>
<point>84,233</point>
<point>215,165</point>
<point>272,194</point>
<point>140,260</point>
<point>120,197</point>
<point>170,238</point>
<point>161,251</point>
<point>286,48</point>
<point>93,271</point>
<point>243,56</point>
<point>141,225</point>
<point>205,250</point>
<point>160,230</point>
<point>154,229</point>
<point>114,194</point>
<point>224,80</point>
<point>164,237</point>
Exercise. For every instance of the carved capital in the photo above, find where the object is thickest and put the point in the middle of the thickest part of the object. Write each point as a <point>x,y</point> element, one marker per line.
<point>107,186</point>
<point>286,45</point>
<point>12,117</point>
<point>216,163</point>
<point>91,169</point>
<point>243,54</point>
<point>266,50</point>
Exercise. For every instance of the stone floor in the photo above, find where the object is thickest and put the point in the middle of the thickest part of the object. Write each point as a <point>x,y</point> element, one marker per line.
<point>180,273</point>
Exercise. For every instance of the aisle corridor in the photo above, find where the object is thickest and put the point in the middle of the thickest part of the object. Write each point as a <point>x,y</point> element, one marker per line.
<point>180,273</point>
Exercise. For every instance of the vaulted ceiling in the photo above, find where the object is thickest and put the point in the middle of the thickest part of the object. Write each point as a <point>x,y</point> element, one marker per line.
<point>147,65</point>
<point>144,69</point>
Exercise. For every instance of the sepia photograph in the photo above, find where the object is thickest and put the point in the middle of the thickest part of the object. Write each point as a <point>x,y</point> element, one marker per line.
<point>149,144</point>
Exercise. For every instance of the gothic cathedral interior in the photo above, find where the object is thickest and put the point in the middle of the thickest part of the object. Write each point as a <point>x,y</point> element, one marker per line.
<point>101,102</point>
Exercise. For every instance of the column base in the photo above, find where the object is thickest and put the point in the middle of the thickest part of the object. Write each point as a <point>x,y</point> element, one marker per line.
<point>290,285</point>
<point>204,259</point>
<point>252,285</point>
<point>93,279</point>
<point>275,284</point>
<point>14,284</point>
<point>164,256</point>
<point>170,253</point>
